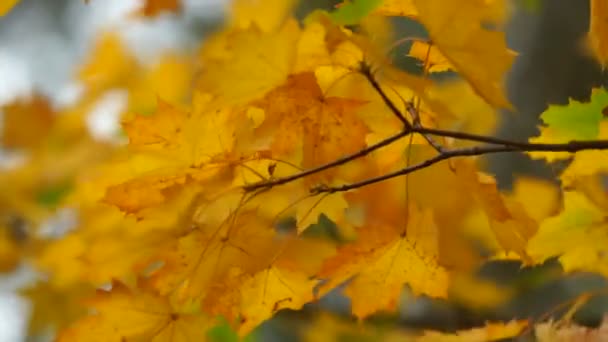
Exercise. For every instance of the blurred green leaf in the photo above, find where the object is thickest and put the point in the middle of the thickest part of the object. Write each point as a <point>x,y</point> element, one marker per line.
<point>223,332</point>
<point>52,195</point>
<point>352,12</point>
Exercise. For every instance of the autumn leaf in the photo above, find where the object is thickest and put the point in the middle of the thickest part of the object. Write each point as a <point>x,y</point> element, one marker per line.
<point>259,61</point>
<point>598,31</point>
<point>382,264</point>
<point>325,128</point>
<point>577,236</point>
<point>110,63</point>
<point>126,315</point>
<point>174,148</point>
<point>480,55</point>
<point>509,221</point>
<point>491,332</point>
<point>268,16</point>
<point>271,290</point>
<point>429,56</point>
<point>207,254</point>
<point>401,8</point>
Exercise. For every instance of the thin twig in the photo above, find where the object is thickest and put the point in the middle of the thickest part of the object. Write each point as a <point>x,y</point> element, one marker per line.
<point>361,153</point>
<point>421,130</point>
<point>573,146</point>
<point>366,71</point>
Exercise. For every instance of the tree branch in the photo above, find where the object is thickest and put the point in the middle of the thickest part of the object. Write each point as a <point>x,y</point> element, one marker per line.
<point>493,145</point>
<point>361,153</point>
<point>366,71</point>
<point>573,146</point>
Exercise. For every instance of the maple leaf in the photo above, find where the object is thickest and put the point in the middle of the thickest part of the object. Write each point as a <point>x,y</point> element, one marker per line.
<point>170,79</point>
<point>491,332</point>
<point>142,315</point>
<point>598,31</point>
<point>299,115</point>
<point>430,56</point>
<point>576,121</point>
<point>272,289</point>
<point>509,221</point>
<point>208,253</point>
<point>110,64</point>
<point>383,260</point>
<point>586,163</point>
<point>46,298</point>
<point>401,8</point>
<point>174,148</point>
<point>577,235</point>
<point>480,55</point>
<point>268,16</point>
<point>243,64</point>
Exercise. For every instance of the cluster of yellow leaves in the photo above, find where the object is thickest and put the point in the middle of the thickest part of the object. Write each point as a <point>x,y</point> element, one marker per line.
<point>274,98</point>
<point>194,217</point>
<point>329,328</point>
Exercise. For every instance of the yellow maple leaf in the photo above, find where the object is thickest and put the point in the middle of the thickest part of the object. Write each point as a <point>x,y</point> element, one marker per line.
<point>169,79</point>
<point>401,8</point>
<point>577,236</point>
<point>45,299</point>
<point>508,219</point>
<point>174,148</point>
<point>243,64</point>
<point>267,16</point>
<point>270,290</point>
<point>480,55</point>
<point>208,253</point>
<point>110,64</point>
<point>137,315</point>
<point>491,332</point>
<point>430,56</point>
<point>383,260</point>
<point>598,31</point>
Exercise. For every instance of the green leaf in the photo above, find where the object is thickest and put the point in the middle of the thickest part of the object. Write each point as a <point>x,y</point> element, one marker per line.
<point>223,332</point>
<point>52,195</point>
<point>352,12</point>
<point>577,121</point>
